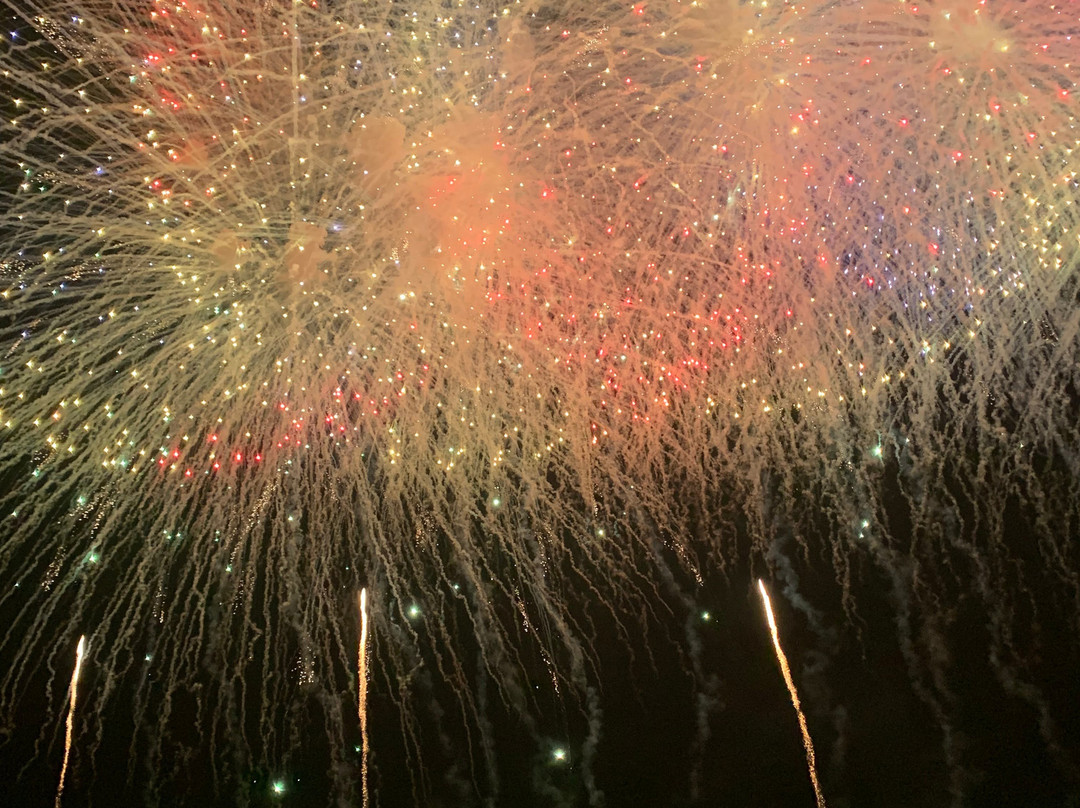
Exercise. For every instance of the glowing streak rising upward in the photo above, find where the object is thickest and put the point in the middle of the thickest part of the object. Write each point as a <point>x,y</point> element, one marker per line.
<point>79,651</point>
<point>362,675</point>
<point>809,744</point>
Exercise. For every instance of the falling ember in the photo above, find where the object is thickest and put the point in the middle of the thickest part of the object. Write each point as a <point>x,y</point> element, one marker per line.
<point>79,651</point>
<point>809,744</point>
<point>362,676</point>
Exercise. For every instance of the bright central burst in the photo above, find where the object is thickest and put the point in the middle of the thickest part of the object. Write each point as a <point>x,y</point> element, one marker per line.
<point>486,304</point>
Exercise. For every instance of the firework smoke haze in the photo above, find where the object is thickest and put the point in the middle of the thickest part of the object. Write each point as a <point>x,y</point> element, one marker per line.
<point>480,305</point>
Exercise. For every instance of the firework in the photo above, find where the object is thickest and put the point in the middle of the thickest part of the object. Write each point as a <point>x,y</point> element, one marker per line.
<point>785,669</point>
<point>79,651</point>
<point>484,305</point>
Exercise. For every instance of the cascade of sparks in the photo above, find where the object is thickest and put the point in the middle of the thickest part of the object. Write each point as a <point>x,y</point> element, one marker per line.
<point>781,658</point>
<point>491,306</point>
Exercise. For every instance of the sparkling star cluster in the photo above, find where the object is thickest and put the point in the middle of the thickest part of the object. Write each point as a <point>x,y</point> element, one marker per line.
<point>470,302</point>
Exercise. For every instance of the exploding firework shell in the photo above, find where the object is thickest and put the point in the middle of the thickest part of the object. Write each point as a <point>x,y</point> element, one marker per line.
<point>491,304</point>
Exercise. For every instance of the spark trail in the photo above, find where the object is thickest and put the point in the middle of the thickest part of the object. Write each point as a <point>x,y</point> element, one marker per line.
<point>80,650</point>
<point>362,676</point>
<point>784,669</point>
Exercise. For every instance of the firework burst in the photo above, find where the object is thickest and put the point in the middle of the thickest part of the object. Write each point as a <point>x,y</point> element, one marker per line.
<point>484,305</point>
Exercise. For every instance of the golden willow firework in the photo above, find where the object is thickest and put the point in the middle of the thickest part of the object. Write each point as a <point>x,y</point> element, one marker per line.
<point>480,305</point>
